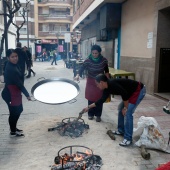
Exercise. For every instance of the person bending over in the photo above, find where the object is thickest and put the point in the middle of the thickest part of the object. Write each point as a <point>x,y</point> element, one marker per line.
<point>132,93</point>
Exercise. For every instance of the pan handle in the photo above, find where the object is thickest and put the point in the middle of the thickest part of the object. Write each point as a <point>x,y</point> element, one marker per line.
<point>77,81</point>
<point>72,101</point>
<point>40,78</point>
<point>33,99</point>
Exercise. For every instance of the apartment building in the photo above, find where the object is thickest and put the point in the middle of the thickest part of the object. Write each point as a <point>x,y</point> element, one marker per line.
<point>134,36</point>
<point>53,21</point>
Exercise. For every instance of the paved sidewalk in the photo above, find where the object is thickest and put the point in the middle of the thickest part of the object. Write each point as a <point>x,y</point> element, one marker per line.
<point>39,147</point>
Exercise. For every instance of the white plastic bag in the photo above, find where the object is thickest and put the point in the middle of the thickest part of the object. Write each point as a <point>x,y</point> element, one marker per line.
<point>149,134</point>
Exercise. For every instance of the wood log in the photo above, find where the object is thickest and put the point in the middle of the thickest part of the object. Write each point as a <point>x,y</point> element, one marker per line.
<point>144,152</point>
<point>111,135</point>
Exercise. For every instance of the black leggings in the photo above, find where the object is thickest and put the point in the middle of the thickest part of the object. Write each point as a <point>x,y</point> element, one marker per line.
<point>95,111</point>
<point>14,114</point>
<point>29,72</point>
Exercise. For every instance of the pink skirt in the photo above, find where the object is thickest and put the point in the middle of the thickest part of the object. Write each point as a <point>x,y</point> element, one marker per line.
<point>92,92</point>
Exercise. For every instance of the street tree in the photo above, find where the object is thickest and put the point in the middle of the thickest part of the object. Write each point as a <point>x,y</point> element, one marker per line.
<point>23,13</point>
<point>12,6</point>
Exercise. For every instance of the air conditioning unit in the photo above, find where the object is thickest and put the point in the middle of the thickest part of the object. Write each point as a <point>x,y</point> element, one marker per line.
<point>38,41</point>
<point>102,35</point>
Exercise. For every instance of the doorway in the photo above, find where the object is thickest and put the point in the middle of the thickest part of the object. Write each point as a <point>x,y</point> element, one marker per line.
<point>164,71</point>
<point>162,85</point>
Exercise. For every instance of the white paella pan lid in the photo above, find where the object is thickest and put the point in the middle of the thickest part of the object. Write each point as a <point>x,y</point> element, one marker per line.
<point>55,90</point>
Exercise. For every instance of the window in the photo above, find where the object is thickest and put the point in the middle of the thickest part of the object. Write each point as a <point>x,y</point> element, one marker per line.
<point>1,19</point>
<point>78,3</point>
<point>74,6</point>
<point>21,12</point>
<point>23,30</point>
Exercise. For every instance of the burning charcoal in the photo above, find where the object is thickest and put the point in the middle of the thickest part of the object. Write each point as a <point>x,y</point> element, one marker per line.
<point>77,161</point>
<point>86,126</point>
<point>97,158</point>
<point>57,160</point>
<point>68,165</point>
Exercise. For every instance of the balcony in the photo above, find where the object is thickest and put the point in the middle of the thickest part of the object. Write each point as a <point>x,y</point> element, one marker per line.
<point>52,34</point>
<point>54,18</point>
<point>55,2</point>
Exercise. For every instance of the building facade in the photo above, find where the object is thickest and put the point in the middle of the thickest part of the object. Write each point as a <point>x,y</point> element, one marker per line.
<point>134,36</point>
<point>53,21</point>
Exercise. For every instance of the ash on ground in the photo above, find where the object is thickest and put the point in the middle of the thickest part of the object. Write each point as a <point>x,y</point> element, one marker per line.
<point>72,127</point>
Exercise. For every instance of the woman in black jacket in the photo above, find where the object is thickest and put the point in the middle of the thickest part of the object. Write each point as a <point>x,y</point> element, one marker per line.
<point>12,91</point>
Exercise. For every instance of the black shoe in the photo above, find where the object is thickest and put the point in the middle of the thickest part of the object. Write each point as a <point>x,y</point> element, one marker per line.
<point>90,117</point>
<point>34,74</point>
<point>16,134</point>
<point>28,76</point>
<point>98,119</point>
<point>19,130</point>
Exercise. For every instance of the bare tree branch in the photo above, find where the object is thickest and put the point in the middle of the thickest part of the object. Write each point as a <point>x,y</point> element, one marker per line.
<point>10,14</point>
<point>24,10</point>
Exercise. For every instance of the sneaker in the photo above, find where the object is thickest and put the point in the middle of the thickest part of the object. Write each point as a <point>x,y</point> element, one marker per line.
<point>117,133</point>
<point>125,142</point>
<point>90,117</point>
<point>19,130</point>
<point>98,119</point>
<point>16,134</point>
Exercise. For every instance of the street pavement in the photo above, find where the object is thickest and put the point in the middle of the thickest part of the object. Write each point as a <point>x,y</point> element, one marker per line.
<point>38,148</point>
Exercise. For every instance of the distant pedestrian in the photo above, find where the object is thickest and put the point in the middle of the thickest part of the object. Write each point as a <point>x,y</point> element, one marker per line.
<point>55,53</point>
<point>43,56</point>
<point>48,55</point>
<point>11,93</point>
<point>51,54</point>
<point>70,54</point>
<point>30,63</point>
<point>22,59</point>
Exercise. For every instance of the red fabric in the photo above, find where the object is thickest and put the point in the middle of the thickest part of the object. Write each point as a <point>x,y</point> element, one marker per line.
<point>16,97</point>
<point>135,95</point>
<point>164,167</point>
<point>92,92</point>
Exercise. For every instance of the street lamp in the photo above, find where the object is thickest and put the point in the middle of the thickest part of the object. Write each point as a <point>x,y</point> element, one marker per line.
<point>27,10</point>
<point>57,35</point>
<point>5,23</point>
